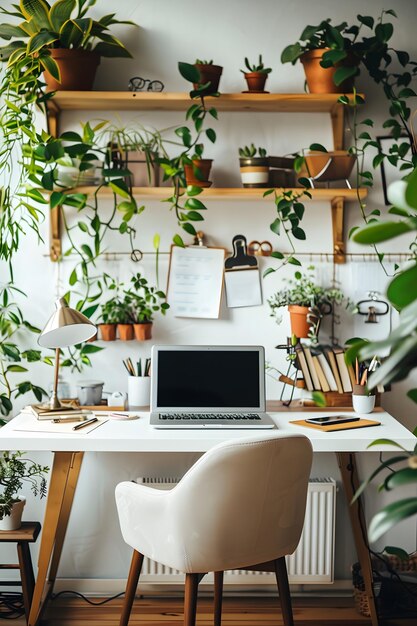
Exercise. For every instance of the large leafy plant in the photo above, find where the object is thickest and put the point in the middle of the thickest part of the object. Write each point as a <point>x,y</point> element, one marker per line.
<point>64,24</point>
<point>145,300</point>
<point>14,471</point>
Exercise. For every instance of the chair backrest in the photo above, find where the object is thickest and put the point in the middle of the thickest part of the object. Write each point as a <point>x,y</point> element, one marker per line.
<point>242,503</point>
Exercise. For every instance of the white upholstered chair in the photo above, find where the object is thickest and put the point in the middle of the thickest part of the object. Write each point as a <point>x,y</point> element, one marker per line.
<point>241,506</point>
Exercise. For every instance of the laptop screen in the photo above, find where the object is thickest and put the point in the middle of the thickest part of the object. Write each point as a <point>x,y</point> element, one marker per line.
<point>213,378</point>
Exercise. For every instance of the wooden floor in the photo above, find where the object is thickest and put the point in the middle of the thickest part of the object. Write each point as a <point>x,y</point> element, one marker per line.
<point>237,611</point>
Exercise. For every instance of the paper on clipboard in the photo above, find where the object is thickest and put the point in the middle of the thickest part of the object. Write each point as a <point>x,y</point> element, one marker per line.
<point>242,279</point>
<point>195,281</point>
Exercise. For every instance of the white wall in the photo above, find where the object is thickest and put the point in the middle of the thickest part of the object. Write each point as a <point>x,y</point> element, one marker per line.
<point>226,32</point>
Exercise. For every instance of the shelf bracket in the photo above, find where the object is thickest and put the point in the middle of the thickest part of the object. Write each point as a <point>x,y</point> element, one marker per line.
<point>338,210</point>
<point>52,118</point>
<point>338,125</point>
<point>55,248</point>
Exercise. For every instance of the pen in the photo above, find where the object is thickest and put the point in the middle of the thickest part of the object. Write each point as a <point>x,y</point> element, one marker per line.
<point>86,423</point>
<point>66,420</point>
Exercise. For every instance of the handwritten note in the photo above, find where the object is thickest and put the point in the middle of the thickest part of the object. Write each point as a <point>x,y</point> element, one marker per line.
<point>195,281</point>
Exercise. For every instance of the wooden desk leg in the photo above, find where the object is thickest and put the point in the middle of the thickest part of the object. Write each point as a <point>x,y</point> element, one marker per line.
<point>64,470</point>
<point>350,480</point>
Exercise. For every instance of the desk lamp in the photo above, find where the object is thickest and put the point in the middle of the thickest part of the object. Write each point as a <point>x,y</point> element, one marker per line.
<point>66,327</point>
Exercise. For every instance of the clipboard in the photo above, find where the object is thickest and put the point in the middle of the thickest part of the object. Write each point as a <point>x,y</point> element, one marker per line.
<point>242,278</point>
<point>195,281</point>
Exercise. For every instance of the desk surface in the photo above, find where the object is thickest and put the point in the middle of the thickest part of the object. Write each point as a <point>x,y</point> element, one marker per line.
<point>138,436</point>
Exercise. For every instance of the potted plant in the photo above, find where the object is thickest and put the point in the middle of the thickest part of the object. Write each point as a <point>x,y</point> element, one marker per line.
<point>254,166</point>
<point>14,471</point>
<point>197,171</point>
<point>304,298</point>
<point>208,83</point>
<point>144,302</point>
<point>109,316</point>
<point>60,40</point>
<point>256,75</point>
<point>327,56</point>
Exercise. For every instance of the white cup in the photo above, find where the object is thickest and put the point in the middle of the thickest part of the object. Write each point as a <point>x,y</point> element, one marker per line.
<point>363,403</point>
<point>138,391</point>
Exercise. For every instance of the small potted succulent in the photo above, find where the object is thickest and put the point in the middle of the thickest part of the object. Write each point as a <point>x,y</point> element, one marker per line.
<point>254,166</point>
<point>327,58</point>
<point>256,75</point>
<point>197,170</point>
<point>14,471</point>
<point>144,302</point>
<point>306,301</point>
<point>60,40</point>
<point>209,77</point>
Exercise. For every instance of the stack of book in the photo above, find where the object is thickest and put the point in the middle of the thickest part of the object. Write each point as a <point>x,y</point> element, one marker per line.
<point>324,369</point>
<point>42,412</point>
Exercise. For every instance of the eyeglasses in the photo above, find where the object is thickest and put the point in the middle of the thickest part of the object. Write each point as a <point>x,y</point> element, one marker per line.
<point>145,84</point>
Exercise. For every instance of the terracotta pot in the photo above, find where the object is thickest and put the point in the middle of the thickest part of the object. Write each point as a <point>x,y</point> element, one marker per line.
<point>254,172</point>
<point>77,68</point>
<point>328,166</point>
<point>108,332</point>
<point>298,316</point>
<point>320,79</point>
<point>14,520</point>
<point>143,331</point>
<point>211,74</point>
<point>125,332</point>
<point>256,81</point>
<point>92,339</point>
<point>204,165</point>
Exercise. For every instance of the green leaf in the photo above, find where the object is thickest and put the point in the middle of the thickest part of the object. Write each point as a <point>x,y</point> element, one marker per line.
<point>391,515</point>
<point>73,277</point>
<point>56,199</point>
<point>411,190</point>
<point>277,255</point>
<point>343,73</point>
<point>87,250</point>
<point>38,11</point>
<point>193,203</point>
<point>269,270</point>
<point>189,228</point>
<point>89,348</point>
<point>398,552</point>
<point>291,53</point>
<point>211,134</point>
<point>367,20</point>
<point>404,476</point>
<point>276,226</point>
<point>192,190</point>
<point>319,398</point>
<point>194,216</point>
<point>60,12</point>
<point>383,231</point>
<point>317,147</point>
<point>189,72</point>
<point>412,394</point>
<point>119,187</point>
<point>16,368</point>
<point>178,241</point>
<point>40,40</point>
<point>293,261</point>
<point>298,233</point>
<point>402,289</point>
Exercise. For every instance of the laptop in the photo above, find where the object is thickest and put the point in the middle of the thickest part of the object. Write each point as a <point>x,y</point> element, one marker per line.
<point>208,387</point>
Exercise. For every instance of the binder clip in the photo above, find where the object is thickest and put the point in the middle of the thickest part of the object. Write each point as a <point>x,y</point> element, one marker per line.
<point>242,279</point>
<point>376,307</point>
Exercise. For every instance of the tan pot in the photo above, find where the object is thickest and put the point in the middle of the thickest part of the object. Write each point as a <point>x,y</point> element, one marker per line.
<point>125,332</point>
<point>77,68</point>
<point>211,74</point>
<point>108,332</point>
<point>14,520</point>
<point>204,165</point>
<point>298,316</point>
<point>320,79</point>
<point>143,331</point>
<point>328,166</point>
<point>256,81</point>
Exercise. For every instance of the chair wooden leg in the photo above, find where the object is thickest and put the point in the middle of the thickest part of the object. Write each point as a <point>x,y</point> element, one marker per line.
<point>284,591</point>
<point>132,583</point>
<point>218,598</point>
<point>190,599</point>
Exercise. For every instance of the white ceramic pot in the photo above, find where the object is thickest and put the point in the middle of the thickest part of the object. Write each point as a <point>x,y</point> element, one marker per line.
<point>89,392</point>
<point>14,520</point>
<point>139,391</point>
<point>363,404</point>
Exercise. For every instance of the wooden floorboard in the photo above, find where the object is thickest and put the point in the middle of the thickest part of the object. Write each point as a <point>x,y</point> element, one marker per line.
<point>237,611</point>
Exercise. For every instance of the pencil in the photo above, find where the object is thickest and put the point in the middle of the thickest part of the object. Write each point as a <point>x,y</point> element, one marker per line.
<point>364,377</point>
<point>357,371</point>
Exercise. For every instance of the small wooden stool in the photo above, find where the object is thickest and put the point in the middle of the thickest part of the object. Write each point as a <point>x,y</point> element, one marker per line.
<point>27,533</point>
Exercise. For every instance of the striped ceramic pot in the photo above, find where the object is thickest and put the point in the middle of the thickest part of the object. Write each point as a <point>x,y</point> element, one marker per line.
<point>254,171</point>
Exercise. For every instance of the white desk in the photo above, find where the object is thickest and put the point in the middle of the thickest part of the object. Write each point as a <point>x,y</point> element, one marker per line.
<point>138,436</point>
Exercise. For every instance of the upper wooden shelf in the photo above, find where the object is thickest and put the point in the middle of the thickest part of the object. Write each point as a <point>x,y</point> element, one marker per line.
<point>229,193</point>
<point>169,101</point>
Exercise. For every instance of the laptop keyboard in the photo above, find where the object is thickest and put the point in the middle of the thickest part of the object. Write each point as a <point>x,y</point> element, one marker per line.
<point>210,416</point>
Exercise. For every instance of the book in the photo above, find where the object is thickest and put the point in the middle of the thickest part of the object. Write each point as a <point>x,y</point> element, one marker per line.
<point>351,373</point>
<point>335,370</point>
<point>327,372</point>
<point>343,369</point>
<point>320,374</point>
<point>45,413</point>
<point>304,367</point>
<point>312,369</point>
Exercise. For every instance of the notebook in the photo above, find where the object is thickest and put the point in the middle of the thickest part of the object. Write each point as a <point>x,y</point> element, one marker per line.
<point>208,387</point>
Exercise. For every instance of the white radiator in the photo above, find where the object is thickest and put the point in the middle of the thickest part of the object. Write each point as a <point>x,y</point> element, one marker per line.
<point>312,562</point>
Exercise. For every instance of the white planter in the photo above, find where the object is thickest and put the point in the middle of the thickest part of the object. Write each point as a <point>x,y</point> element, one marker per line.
<point>14,520</point>
<point>139,391</point>
<point>363,404</point>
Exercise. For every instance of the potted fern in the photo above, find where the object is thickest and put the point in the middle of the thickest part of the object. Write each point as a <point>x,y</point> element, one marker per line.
<point>254,166</point>
<point>60,41</point>
<point>14,471</point>
<point>255,75</point>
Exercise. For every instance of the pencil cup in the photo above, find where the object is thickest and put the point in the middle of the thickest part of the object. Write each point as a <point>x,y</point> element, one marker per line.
<point>139,391</point>
<point>362,400</point>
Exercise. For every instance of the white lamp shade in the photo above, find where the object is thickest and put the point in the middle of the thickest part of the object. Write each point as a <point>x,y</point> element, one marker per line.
<point>66,327</point>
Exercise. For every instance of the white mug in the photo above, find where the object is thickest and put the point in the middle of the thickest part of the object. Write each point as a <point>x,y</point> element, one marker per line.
<point>138,391</point>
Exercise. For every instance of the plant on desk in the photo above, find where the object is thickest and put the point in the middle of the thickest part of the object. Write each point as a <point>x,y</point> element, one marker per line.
<point>144,301</point>
<point>307,303</point>
<point>14,471</point>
